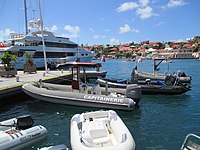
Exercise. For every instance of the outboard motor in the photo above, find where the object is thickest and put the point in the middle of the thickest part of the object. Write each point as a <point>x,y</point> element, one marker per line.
<point>170,80</point>
<point>134,92</point>
<point>134,79</point>
<point>181,73</point>
<point>24,122</point>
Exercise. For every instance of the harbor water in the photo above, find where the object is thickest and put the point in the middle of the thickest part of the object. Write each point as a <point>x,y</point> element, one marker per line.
<point>161,122</point>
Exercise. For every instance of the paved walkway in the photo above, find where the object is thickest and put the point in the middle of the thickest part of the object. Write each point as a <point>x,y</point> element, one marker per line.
<point>11,87</point>
<point>22,78</point>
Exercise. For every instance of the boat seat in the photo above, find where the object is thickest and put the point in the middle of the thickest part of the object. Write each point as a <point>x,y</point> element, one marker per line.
<point>160,82</point>
<point>95,133</point>
<point>96,90</point>
<point>83,87</point>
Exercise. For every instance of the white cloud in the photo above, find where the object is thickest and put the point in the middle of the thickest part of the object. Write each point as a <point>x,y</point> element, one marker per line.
<point>174,3</point>
<point>180,40</point>
<point>141,8</point>
<point>135,30</point>
<point>4,34</point>
<point>127,6</point>
<point>144,3</point>
<point>145,13</point>
<point>191,38</point>
<point>99,36</point>
<point>114,41</point>
<point>54,28</point>
<point>73,31</point>
<point>127,28</point>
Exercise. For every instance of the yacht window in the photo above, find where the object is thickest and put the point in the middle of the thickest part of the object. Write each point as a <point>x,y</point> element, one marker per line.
<point>38,55</point>
<point>86,54</point>
<point>70,54</point>
<point>61,45</point>
<point>53,54</point>
<point>82,54</point>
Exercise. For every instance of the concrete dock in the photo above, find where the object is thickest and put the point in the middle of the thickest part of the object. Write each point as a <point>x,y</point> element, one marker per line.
<point>9,87</point>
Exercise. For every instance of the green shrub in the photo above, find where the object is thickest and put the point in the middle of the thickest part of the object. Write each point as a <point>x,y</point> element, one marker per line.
<point>6,59</point>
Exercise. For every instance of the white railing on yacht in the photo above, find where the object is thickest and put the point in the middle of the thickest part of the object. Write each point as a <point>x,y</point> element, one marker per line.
<point>16,35</point>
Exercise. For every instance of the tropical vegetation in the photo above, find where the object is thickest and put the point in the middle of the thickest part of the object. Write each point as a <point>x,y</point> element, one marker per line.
<point>6,59</point>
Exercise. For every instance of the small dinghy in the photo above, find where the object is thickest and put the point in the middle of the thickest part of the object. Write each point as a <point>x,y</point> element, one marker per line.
<point>191,142</point>
<point>100,130</point>
<point>18,133</point>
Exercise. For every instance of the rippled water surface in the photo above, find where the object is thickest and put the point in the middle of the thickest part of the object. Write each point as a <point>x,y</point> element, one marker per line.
<point>160,121</point>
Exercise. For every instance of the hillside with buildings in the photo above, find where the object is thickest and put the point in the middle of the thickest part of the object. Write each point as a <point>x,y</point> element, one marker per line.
<point>150,49</point>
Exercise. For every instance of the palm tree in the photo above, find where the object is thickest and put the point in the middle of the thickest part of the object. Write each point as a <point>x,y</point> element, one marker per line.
<point>29,58</point>
<point>6,59</point>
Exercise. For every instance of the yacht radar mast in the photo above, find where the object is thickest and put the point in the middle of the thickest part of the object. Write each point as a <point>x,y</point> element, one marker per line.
<point>25,11</point>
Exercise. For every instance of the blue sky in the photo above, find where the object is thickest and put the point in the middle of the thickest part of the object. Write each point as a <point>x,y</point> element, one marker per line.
<point>107,21</point>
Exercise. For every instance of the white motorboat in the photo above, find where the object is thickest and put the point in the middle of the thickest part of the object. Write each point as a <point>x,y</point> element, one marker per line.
<point>81,94</point>
<point>100,130</point>
<point>191,142</point>
<point>18,133</point>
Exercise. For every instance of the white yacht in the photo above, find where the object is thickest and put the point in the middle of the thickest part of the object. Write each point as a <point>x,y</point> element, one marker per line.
<point>58,49</point>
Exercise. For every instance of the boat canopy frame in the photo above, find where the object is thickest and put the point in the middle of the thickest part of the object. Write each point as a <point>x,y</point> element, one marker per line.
<point>76,68</point>
<point>156,63</point>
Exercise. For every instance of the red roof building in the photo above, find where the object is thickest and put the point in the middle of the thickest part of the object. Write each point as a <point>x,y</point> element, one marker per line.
<point>125,49</point>
<point>152,44</point>
<point>112,53</point>
<point>113,49</point>
<point>187,45</point>
<point>176,46</point>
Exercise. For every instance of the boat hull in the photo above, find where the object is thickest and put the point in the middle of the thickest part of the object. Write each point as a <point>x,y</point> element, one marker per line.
<point>147,75</point>
<point>63,94</point>
<point>148,88</point>
<point>19,138</point>
<point>105,129</point>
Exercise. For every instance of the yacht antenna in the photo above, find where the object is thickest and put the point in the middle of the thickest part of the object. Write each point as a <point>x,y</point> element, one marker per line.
<point>43,44</point>
<point>78,58</point>
<point>25,11</point>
